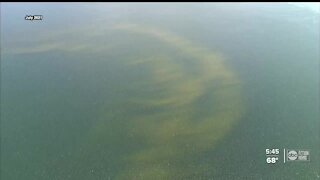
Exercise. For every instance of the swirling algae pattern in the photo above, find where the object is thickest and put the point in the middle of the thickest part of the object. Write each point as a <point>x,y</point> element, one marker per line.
<point>173,116</point>
<point>172,135</point>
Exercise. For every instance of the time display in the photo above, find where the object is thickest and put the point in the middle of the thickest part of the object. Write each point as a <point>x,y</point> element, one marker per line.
<point>272,151</point>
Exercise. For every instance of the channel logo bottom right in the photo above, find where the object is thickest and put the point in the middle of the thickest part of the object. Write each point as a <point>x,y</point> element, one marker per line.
<point>298,155</point>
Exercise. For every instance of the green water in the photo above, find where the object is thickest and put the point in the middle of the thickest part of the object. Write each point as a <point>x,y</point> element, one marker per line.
<point>158,91</point>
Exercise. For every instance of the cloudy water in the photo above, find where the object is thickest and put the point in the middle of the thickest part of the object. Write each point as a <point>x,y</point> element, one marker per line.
<point>158,91</point>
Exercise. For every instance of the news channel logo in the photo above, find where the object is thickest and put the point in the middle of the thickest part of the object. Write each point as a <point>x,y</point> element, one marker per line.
<point>298,155</point>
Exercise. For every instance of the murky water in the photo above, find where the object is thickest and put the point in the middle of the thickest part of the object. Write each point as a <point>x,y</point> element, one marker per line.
<point>158,91</point>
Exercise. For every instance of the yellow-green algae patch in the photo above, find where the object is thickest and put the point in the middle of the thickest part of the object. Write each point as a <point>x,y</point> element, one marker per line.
<point>189,100</point>
<point>175,135</point>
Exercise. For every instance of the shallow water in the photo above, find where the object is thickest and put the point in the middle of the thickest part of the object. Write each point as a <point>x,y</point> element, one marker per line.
<point>158,91</point>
